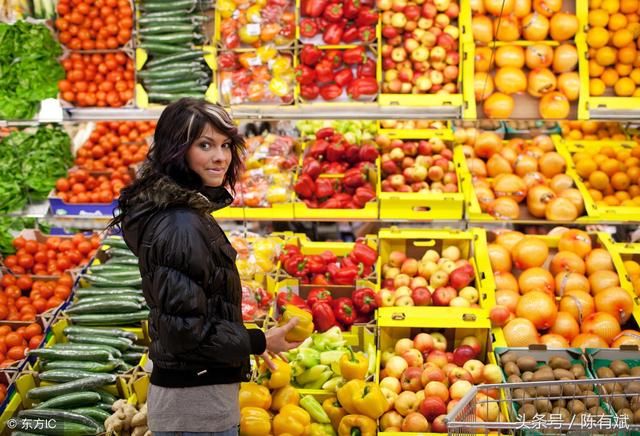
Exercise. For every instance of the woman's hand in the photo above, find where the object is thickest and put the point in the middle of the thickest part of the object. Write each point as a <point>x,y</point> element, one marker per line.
<point>276,342</point>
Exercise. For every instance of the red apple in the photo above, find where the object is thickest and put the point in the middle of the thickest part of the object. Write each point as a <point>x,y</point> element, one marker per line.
<point>413,357</point>
<point>458,373</point>
<point>409,267</point>
<point>437,389</point>
<point>410,379</point>
<point>403,345</point>
<point>416,423</point>
<point>402,280</point>
<point>430,373</point>
<point>442,296</point>
<point>432,407</point>
<point>421,297</point>
<point>473,342</point>
<point>438,357</point>
<point>462,354</point>
<point>418,282</point>
<point>461,277</point>
<point>412,11</point>
<point>429,10</point>
<point>423,342</point>
<point>439,425</point>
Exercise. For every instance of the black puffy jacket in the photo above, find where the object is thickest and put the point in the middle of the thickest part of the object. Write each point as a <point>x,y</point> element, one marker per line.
<point>191,285</point>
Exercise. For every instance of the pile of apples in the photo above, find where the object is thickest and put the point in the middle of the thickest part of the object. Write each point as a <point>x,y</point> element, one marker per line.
<point>612,38</point>
<point>420,46</point>
<point>438,279</point>
<point>506,174</point>
<point>570,298</point>
<point>416,166</point>
<point>592,130</point>
<point>423,382</point>
<point>413,124</point>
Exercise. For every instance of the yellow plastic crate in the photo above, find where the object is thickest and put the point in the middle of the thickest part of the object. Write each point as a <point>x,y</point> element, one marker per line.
<point>445,133</point>
<point>413,206</point>
<point>15,401</point>
<point>595,211</point>
<point>278,211</point>
<point>230,213</point>
<point>472,244</point>
<point>629,251</point>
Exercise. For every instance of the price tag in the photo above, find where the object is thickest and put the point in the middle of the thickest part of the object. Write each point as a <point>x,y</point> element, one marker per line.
<point>270,63</point>
<point>254,62</point>
<point>50,111</point>
<point>253,29</point>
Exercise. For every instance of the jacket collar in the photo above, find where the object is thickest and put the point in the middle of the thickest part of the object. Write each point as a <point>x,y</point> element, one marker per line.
<point>165,193</point>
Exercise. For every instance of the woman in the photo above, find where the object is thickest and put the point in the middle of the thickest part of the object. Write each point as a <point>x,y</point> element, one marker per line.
<point>199,346</point>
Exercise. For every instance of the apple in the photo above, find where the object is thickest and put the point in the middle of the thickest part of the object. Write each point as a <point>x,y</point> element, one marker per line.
<point>413,357</point>
<point>438,357</point>
<point>421,297</point>
<point>404,301</point>
<point>391,273</point>
<point>418,282</point>
<point>437,389</point>
<point>396,258</point>
<point>428,10</point>
<point>492,373</point>
<point>470,294</point>
<point>390,167</point>
<point>487,408</point>
<point>461,277</point>
<point>386,355</point>
<point>500,316</point>
<point>420,174</point>
<point>411,44</point>
<point>459,302</point>
<point>430,373</point>
<point>384,5</point>
<point>390,419</point>
<point>392,384</point>
<point>431,255</point>
<point>396,366</point>
<point>385,298</point>
<point>451,404</point>
<point>462,354</point>
<point>473,342</point>
<point>409,267</point>
<point>432,407</point>
<point>402,345</point>
<point>458,373</point>
<point>439,425</point>
<point>442,296</point>
<point>438,53</point>
<point>415,422</point>
<point>398,20</point>
<point>459,389</point>
<point>448,368</point>
<point>426,268</point>
<point>410,379</point>
<point>423,342</point>
<point>420,54</point>
<point>397,155</point>
<point>452,252</point>
<point>450,357</point>
<point>390,396</point>
<point>438,279</point>
<point>440,342</point>
<point>475,368</point>
<point>401,280</point>
<point>403,291</point>
<point>446,265</point>
<point>407,163</point>
<point>406,403</point>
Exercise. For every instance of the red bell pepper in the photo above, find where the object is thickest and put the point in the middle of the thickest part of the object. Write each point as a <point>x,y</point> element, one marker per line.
<point>325,133</point>
<point>310,55</point>
<point>312,168</point>
<point>352,154</point>
<point>324,73</point>
<point>311,204</point>
<point>288,297</point>
<point>289,250</point>
<point>227,61</point>
<point>333,34</point>
<point>364,254</point>
<point>318,148</point>
<point>335,151</point>
<point>364,300</point>
<point>366,33</point>
<point>324,188</point>
<point>314,8</point>
<point>331,91</point>
<point>323,316</point>
<point>320,279</point>
<point>316,265</point>
<point>353,178</point>
<point>329,256</point>
<point>353,56</point>
<point>308,28</point>
<point>362,86</point>
<point>331,203</point>
<point>343,77</point>
<point>346,275</point>
<point>319,295</point>
<point>334,56</point>
<point>336,168</point>
<point>309,92</point>
<point>343,198</point>
<point>351,8</point>
<point>333,13</point>
<point>344,311</point>
<point>368,152</point>
<point>295,266</point>
<point>366,17</point>
<point>351,34</point>
<point>305,75</point>
<point>305,186</point>
<point>363,195</point>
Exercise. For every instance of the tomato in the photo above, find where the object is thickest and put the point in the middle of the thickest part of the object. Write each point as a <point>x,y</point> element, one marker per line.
<point>40,304</point>
<point>54,302</point>
<point>16,352</point>
<point>66,280</point>
<point>66,245</point>
<point>4,330</point>
<point>19,242</point>
<point>31,246</point>
<point>35,341</point>
<point>62,291</point>
<point>40,257</point>
<point>12,339</point>
<point>26,261</point>
<point>7,280</point>
<point>11,261</point>
<point>22,301</point>
<point>24,283</point>
<point>4,312</point>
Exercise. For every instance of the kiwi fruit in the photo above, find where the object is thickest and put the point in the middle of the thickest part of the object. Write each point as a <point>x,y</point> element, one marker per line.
<point>605,372</point>
<point>526,363</point>
<point>507,357</point>
<point>619,403</point>
<point>528,411</point>
<point>635,371</point>
<point>561,374</point>
<point>533,392</point>
<point>598,411</point>
<point>576,406</point>
<point>577,370</point>
<point>555,390</point>
<point>570,390</point>
<point>510,368</point>
<point>591,400</point>
<point>527,376</point>
<point>543,374</point>
<point>566,416</point>
<point>520,396</point>
<point>636,417</point>
<point>619,367</point>
<point>514,379</point>
<point>559,363</point>
<point>562,403</point>
<point>628,413</point>
<point>632,388</point>
<point>635,403</point>
<point>543,391</point>
<point>543,405</point>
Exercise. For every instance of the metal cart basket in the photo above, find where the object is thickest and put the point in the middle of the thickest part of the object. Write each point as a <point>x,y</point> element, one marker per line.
<point>503,406</point>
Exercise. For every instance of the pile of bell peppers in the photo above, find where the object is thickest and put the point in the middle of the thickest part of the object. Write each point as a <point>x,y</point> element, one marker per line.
<point>339,21</point>
<point>327,73</point>
<point>337,174</point>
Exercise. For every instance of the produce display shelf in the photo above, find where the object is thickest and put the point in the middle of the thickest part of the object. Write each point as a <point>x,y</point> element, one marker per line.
<point>627,252</point>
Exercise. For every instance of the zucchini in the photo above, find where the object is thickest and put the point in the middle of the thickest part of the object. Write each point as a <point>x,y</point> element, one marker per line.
<point>93,412</point>
<point>172,38</point>
<point>186,56</point>
<point>65,354</point>
<point>88,347</point>
<point>111,318</point>
<point>178,87</point>
<point>115,306</point>
<point>47,392</point>
<point>179,5</point>
<point>55,414</point>
<point>132,357</point>
<point>118,333</point>
<point>121,344</point>
<point>106,397</point>
<point>165,48</point>
<point>164,28</point>
<point>66,375</point>
<point>68,401</point>
<point>98,367</point>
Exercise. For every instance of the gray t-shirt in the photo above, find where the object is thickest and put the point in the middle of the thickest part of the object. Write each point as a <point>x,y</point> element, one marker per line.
<point>209,408</point>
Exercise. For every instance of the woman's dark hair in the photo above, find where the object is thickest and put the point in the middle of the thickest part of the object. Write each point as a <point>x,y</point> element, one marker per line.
<point>179,125</point>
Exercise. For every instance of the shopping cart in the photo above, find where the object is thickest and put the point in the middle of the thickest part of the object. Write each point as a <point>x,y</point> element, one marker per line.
<point>508,415</point>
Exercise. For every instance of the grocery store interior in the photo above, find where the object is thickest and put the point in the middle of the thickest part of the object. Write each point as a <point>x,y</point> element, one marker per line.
<point>445,193</point>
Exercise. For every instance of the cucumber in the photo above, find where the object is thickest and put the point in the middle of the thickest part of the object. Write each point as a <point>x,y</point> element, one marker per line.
<point>163,28</point>
<point>106,397</point>
<point>105,292</point>
<point>97,367</point>
<point>178,87</point>
<point>68,401</point>
<point>132,357</point>
<point>121,344</point>
<point>93,412</point>
<point>115,242</point>
<point>55,414</point>
<point>121,252</point>
<point>66,375</point>
<point>152,15</point>
<point>116,275</point>
<point>99,298</point>
<point>47,392</point>
<point>61,428</point>
<point>138,348</point>
<point>172,38</point>
<point>180,5</point>
<point>165,48</point>
<point>109,319</point>
<point>104,406</point>
<point>101,282</point>
<point>89,347</point>
<point>167,96</point>
<point>105,267</point>
<point>186,56</point>
<point>171,72</point>
<point>123,261</point>
<point>115,306</point>
<point>64,354</point>
<point>118,333</point>
<point>200,79</point>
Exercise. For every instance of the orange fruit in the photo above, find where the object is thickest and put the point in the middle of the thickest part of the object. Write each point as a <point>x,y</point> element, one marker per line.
<point>596,195</point>
<point>635,76</point>
<point>598,18</point>
<point>627,55</point>
<point>623,69</point>
<point>610,167</point>
<point>624,87</point>
<point>596,87</point>
<point>610,77</point>
<point>628,6</point>
<point>599,180</point>
<point>622,38</point>
<point>617,21</point>
<point>620,181</point>
<point>595,69</point>
<point>585,167</point>
<point>597,37</point>
<point>606,56</point>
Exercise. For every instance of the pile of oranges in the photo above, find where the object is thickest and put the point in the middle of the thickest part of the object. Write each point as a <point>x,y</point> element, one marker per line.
<point>633,269</point>
<point>614,61</point>
<point>592,130</point>
<point>611,174</point>
<point>14,343</point>
<point>81,188</point>
<point>22,298</point>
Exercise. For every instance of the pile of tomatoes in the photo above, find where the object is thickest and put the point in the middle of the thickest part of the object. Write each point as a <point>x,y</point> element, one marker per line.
<point>80,187</point>
<point>115,145</point>
<point>3,392</point>
<point>98,79</point>
<point>22,298</point>
<point>14,343</point>
<point>94,25</point>
<point>53,257</point>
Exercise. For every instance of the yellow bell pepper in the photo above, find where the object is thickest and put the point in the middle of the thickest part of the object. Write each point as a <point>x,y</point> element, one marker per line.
<point>370,401</point>
<point>335,411</point>
<point>226,8</point>
<point>266,265</point>
<point>254,14</point>
<point>254,395</point>
<point>283,396</point>
<point>275,379</point>
<point>278,87</point>
<point>281,65</point>
<point>266,53</point>
<point>348,392</point>
<point>303,329</point>
<point>293,420</point>
<point>357,425</point>
<point>353,365</point>
<point>264,247</point>
<point>254,421</point>
<point>321,430</point>
<point>276,194</point>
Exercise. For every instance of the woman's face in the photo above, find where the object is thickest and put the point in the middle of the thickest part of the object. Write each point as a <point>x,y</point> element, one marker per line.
<point>210,156</point>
